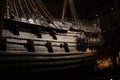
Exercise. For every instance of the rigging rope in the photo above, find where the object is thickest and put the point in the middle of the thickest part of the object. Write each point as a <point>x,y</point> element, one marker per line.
<point>11,6</point>
<point>33,9</point>
<point>75,15</point>
<point>12,11</point>
<point>36,9</point>
<point>16,10</point>
<point>23,13</point>
<point>38,13</point>
<point>27,7</point>
<point>34,12</point>
<point>29,11</point>
<point>45,10</point>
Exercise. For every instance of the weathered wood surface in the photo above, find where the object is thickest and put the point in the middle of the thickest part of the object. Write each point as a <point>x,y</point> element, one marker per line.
<point>33,62</point>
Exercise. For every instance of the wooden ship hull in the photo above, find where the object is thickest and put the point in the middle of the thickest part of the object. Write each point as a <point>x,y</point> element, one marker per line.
<point>27,47</point>
<point>32,62</point>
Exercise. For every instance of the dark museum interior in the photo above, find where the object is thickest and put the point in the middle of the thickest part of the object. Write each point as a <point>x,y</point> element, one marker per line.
<point>59,40</point>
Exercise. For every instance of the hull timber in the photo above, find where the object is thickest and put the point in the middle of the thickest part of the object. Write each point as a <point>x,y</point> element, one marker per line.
<point>24,51</point>
<point>27,46</point>
<point>12,62</point>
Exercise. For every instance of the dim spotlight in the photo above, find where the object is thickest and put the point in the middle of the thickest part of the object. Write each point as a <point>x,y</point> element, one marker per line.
<point>112,8</point>
<point>111,79</point>
<point>96,15</point>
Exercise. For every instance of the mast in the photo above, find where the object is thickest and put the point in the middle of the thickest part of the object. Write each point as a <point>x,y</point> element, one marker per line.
<point>64,9</point>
